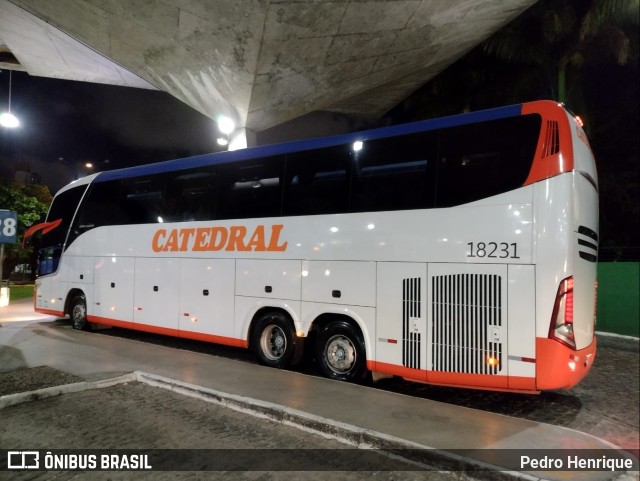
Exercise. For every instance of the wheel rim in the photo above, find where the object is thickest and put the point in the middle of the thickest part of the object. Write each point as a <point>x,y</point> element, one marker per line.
<point>79,314</point>
<point>340,354</point>
<point>273,343</point>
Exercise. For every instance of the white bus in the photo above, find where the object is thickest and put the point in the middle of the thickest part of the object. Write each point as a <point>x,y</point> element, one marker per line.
<point>457,251</point>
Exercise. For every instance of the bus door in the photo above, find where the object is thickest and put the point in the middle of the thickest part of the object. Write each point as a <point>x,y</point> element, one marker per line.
<point>77,269</point>
<point>75,272</point>
<point>48,261</point>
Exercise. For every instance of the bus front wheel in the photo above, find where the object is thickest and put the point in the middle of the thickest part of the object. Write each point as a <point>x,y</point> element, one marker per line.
<point>274,340</point>
<point>78,313</point>
<point>341,352</point>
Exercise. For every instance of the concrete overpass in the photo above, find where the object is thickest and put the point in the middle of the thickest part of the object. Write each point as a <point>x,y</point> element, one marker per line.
<point>259,62</point>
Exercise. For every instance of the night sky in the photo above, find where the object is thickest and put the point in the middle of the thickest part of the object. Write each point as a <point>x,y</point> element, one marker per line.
<point>82,122</point>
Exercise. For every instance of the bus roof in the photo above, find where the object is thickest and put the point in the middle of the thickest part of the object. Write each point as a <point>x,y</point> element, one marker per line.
<point>309,144</point>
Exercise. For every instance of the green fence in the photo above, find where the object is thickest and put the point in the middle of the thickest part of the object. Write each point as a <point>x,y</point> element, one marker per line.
<point>619,298</point>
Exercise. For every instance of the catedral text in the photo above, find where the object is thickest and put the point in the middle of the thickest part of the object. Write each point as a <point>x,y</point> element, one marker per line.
<point>234,238</point>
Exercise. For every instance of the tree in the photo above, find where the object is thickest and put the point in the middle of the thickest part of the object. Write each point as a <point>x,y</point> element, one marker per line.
<point>31,210</point>
<point>39,192</point>
<point>559,37</point>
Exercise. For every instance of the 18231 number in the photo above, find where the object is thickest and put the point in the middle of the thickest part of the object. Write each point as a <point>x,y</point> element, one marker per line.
<point>493,250</point>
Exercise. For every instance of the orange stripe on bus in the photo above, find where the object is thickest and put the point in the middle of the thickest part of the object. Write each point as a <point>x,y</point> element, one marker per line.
<point>455,379</point>
<point>197,336</point>
<point>404,372</point>
<point>50,312</point>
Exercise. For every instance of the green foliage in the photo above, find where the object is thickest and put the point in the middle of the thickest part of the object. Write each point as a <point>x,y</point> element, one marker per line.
<point>39,192</point>
<point>29,203</point>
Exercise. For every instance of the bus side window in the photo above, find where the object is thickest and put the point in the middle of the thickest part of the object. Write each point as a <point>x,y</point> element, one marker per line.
<point>102,205</point>
<point>252,188</point>
<point>191,195</point>
<point>48,260</point>
<point>142,199</point>
<point>63,207</point>
<point>395,173</point>
<point>481,160</point>
<point>317,181</point>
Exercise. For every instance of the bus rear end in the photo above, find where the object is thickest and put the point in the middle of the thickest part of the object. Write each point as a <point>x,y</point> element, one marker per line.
<point>566,250</point>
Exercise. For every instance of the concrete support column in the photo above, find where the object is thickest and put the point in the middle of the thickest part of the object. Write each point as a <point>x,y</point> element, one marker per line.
<point>242,138</point>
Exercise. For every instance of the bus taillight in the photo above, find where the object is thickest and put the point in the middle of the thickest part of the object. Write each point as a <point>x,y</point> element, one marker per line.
<point>562,319</point>
<point>568,305</point>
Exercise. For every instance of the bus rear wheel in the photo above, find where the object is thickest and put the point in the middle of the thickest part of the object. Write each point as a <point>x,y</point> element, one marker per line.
<point>340,352</point>
<point>78,313</point>
<point>273,340</point>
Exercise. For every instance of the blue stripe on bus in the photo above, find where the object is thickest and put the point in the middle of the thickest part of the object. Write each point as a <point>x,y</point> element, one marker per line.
<point>310,144</point>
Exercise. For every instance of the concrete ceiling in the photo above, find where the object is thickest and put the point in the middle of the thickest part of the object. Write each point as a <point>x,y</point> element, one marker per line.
<point>260,62</point>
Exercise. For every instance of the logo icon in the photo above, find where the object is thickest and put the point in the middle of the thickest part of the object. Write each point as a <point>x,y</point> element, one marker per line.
<point>23,460</point>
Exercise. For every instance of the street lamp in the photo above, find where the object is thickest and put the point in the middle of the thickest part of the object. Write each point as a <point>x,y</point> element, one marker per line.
<point>7,119</point>
<point>225,126</point>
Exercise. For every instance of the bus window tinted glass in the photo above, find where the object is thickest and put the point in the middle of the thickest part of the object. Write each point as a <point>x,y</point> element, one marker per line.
<point>191,195</point>
<point>63,207</point>
<point>143,199</point>
<point>317,181</point>
<point>481,160</point>
<point>103,205</point>
<point>394,173</point>
<point>137,200</point>
<point>251,188</point>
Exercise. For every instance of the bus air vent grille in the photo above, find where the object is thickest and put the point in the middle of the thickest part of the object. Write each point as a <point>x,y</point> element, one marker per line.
<point>552,139</point>
<point>464,309</point>
<point>411,309</point>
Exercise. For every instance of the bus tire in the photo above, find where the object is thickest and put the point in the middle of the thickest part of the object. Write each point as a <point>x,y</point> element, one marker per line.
<point>341,352</point>
<point>78,313</point>
<point>274,340</point>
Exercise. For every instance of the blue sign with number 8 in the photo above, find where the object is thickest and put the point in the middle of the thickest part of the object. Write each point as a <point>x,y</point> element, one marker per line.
<point>8,226</point>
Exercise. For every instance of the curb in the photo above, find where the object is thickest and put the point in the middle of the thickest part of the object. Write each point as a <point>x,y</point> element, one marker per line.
<point>352,435</point>
<point>47,392</point>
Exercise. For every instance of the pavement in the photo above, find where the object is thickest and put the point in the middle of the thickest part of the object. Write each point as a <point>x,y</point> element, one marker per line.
<point>441,435</point>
